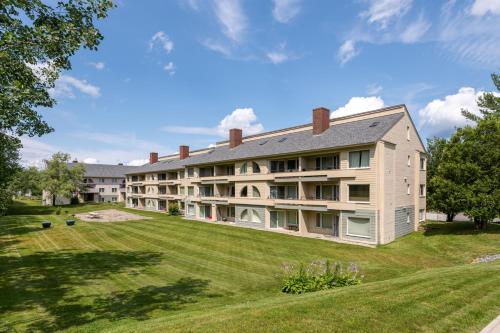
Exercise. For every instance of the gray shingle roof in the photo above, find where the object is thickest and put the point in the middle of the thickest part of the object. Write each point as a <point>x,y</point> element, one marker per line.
<point>105,170</point>
<point>338,135</point>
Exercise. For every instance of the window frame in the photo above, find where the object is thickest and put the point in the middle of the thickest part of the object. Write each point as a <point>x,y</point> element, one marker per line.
<point>255,167</point>
<point>422,191</point>
<point>244,168</point>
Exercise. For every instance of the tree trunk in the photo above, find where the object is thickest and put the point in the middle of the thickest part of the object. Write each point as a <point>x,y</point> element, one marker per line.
<point>450,217</point>
<point>53,199</point>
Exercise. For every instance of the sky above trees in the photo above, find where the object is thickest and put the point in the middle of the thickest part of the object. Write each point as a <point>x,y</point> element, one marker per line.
<point>185,71</point>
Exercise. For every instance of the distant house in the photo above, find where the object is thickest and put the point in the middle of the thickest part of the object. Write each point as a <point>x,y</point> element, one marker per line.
<point>104,183</point>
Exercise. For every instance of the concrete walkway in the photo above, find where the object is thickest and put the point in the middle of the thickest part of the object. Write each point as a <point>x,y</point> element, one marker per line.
<point>493,327</point>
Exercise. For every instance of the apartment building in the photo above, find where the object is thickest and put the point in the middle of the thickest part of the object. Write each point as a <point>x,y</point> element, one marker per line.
<point>103,183</point>
<point>359,178</point>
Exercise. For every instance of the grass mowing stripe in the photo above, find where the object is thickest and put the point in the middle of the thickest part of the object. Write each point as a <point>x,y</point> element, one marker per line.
<point>209,245</point>
<point>169,242</point>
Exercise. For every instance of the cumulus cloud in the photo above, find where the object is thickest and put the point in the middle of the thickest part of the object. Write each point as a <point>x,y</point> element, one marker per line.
<point>244,118</point>
<point>415,31</point>
<point>285,10</point>
<point>383,11</point>
<point>170,68</point>
<point>347,51</point>
<point>358,105</point>
<point>66,85</point>
<point>162,39</point>
<point>441,116</point>
<point>232,18</point>
<point>481,7</point>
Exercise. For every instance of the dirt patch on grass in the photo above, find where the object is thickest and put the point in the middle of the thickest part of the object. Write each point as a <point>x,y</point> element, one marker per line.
<point>109,215</point>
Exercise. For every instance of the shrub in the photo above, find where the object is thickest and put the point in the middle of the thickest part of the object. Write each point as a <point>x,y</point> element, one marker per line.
<point>74,201</point>
<point>58,211</point>
<point>318,275</point>
<point>173,209</point>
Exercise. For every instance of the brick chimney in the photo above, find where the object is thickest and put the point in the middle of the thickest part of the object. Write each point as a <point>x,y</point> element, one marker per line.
<point>235,137</point>
<point>321,120</point>
<point>153,158</point>
<point>183,152</point>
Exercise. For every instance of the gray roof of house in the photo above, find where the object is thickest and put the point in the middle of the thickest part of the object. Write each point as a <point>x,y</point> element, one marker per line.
<point>338,135</point>
<point>105,170</point>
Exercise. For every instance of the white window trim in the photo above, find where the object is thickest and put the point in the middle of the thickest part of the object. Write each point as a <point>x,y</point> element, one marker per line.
<point>354,235</point>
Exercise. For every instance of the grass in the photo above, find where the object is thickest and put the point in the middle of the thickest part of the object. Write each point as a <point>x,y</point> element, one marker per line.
<point>172,275</point>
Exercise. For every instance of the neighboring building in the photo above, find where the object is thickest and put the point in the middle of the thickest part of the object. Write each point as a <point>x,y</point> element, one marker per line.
<point>359,178</point>
<point>104,183</point>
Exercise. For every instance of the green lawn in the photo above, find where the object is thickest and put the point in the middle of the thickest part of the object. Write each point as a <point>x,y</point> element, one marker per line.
<point>171,275</point>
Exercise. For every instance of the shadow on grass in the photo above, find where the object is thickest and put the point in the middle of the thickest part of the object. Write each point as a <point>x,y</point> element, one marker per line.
<point>53,281</point>
<point>457,228</point>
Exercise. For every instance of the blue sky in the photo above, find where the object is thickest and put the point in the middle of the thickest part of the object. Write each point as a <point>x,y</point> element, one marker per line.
<point>185,71</point>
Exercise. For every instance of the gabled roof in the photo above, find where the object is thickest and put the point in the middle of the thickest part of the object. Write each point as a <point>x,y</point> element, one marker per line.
<point>356,132</point>
<point>105,170</point>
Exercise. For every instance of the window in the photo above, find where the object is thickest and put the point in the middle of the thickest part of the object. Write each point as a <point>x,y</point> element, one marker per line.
<point>206,172</point>
<point>113,180</point>
<point>327,192</point>
<point>244,215</point>
<point>191,210</point>
<point>231,211</point>
<point>113,199</point>
<point>206,191</point>
<point>422,190</point>
<point>328,221</point>
<point>408,189</point>
<point>277,219</point>
<point>114,190</point>
<point>359,193</point>
<point>190,172</point>
<point>421,215</point>
<point>243,168</point>
<point>101,189</point>
<point>256,217</point>
<point>291,165</point>
<point>244,192</point>
<point>359,159</point>
<point>422,163</point>
<point>255,167</point>
<point>277,166</point>
<point>357,226</point>
<point>283,192</point>
<point>408,133</point>
<point>409,160</point>
<point>191,190</point>
<point>291,217</point>
<point>181,174</point>
<point>206,211</point>
<point>230,170</point>
<point>101,180</point>
<point>408,217</point>
<point>231,191</point>
<point>255,192</point>
<point>285,165</point>
<point>327,162</point>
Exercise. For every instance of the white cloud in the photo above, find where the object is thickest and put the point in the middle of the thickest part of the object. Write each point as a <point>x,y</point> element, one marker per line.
<point>232,18</point>
<point>285,10</point>
<point>383,11</point>
<point>415,31</point>
<point>347,51</point>
<point>277,57</point>
<point>170,68</point>
<point>90,160</point>
<point>98,65</point>
<point>358,105</point>
<point>34,152</point>
<point>441,116</point>
<point>243,118</point>
<point>374,89</point>
<point>161,38</point>
<point>217,47</point>
<point>481,7</point>
<point>193,4</point>
<point>137,162</point>
<point>65,87</point>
